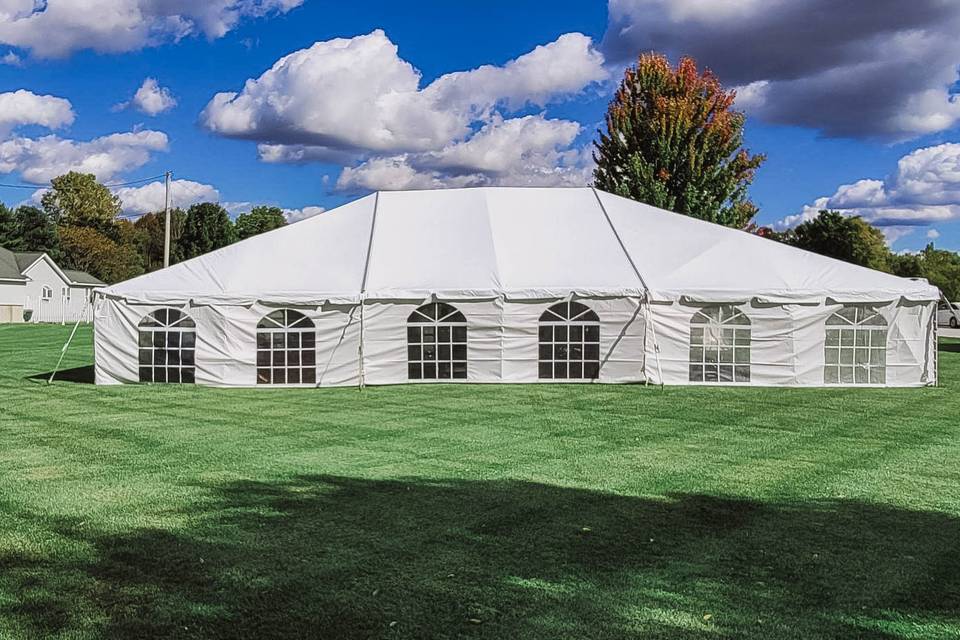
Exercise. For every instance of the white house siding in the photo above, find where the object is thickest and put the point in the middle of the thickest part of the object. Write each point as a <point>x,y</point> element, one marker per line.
<point>67,302</point>
<point>11,301</point>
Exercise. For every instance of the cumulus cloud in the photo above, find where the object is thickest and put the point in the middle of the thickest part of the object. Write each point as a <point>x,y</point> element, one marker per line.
<point>924,190</point>
<point>526,151</point>
<point>21,108</point>
<point>151,99</point>
<point>312,97</point>
<point>57,28</point>
<point>309,107</point>
<point>150,197</point>
<point>296,215</point>
<point>11,59</point>
<point>41,159</point>
<point>886,71</point>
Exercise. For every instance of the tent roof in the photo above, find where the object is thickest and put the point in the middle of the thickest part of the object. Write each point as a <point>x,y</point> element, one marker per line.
<point>522,243</point>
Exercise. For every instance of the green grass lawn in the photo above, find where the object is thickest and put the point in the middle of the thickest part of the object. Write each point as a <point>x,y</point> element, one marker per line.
<point>459,511</point>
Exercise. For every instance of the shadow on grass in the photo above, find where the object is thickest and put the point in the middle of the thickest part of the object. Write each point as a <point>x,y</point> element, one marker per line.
<point>79,375</point>
<point>332,557</point>
<point>950,347</point>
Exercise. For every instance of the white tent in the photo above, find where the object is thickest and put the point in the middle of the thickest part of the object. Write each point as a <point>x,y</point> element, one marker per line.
<point>514,285</point>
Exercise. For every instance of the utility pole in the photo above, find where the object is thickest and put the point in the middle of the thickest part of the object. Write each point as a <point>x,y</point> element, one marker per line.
<point>166,222</point>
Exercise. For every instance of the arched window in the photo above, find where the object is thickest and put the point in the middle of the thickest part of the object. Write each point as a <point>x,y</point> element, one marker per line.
<point>437,343</point>
<point>856,347</point>
<point>720,345</point>
<point>569,343</point>
<point>286,349</point>
<point>168,340</point>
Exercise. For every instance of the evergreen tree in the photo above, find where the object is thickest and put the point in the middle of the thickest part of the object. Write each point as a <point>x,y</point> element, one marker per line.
<point>674,141</point>
<point>36,232</point>
<point>9,228</point>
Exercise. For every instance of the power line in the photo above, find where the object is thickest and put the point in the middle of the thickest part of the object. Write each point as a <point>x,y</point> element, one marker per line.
<point>34,187</point>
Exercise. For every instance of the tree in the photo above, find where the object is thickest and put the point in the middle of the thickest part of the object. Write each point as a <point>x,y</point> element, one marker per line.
<point>36,232</point>
<point>940,268</point>
<point>847,238</point>
<point>151,226</point>
<point>90,250</point>
<point>206,229</point>
<point>9,228</point>
<point>78,200</point>
<point>259,220</point>
<point>674,141</point>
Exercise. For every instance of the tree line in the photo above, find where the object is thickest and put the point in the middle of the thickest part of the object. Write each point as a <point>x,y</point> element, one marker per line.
<point>673,140</point>
<point>78,224</point>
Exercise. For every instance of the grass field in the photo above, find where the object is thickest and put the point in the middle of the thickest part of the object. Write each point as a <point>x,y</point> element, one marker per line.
<point>473,511</point>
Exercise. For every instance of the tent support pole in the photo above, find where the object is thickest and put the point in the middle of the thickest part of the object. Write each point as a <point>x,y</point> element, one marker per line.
<point>66,345</point>
<point>361,374</point>
<point>656,344</point>
<point>363,290</point>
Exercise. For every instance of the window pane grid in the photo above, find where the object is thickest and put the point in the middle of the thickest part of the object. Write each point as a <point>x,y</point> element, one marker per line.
<point>720,342</point>
<point>857,355</point>
<point>437,344</point>
<point>286,349</point>
<point>569,343</point>
<point>167,347</point>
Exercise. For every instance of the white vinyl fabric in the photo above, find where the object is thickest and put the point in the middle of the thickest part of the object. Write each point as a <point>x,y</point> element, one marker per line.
<point>502,257</point>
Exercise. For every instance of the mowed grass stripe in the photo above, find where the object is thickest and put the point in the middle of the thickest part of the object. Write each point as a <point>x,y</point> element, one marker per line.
<point>473,511</point>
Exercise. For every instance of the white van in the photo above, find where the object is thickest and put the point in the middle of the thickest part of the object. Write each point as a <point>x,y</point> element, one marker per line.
<point>946,317</point>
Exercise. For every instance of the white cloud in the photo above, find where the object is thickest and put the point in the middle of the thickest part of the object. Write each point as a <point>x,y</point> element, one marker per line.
<point>312,97</point>
<point>886,72</point>
<point>296,215</point>
<point>924,189</point>
<point>42,159</point>
<point>11,59</point>
<point>150,197</point>
<point>527,151</point>
<point>309,107</point>
<point>57,28</point>
<point>151,99</point>
<point>21,108</point>
<point>933,234</point>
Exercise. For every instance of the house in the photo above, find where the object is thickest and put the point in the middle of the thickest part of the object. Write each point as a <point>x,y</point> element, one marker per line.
<point>33,288</point>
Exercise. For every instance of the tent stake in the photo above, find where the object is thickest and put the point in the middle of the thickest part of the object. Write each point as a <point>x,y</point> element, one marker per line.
<point>66,345</point>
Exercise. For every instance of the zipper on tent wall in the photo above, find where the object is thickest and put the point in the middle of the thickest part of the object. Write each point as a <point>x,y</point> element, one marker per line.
<point>648,312</point>
<point>361,371</point>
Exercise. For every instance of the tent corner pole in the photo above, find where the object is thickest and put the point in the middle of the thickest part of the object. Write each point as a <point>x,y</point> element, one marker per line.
<point>66,345</point>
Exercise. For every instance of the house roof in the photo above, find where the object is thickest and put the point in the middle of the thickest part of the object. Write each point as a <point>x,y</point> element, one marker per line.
<point>519,243</point>
<point>14,263</point>
<point>26,258</point>
<point>83,278</point>
<point>9,269</point>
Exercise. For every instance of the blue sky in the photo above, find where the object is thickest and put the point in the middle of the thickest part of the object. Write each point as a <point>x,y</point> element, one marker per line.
<point>815,107</point>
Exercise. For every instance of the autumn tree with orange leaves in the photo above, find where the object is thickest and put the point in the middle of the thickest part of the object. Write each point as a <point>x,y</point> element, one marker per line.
<point>674,141</point>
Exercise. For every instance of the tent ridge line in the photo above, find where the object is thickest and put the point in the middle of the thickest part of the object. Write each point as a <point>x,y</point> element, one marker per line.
<point>623,247</point>
<point>373,227</point>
